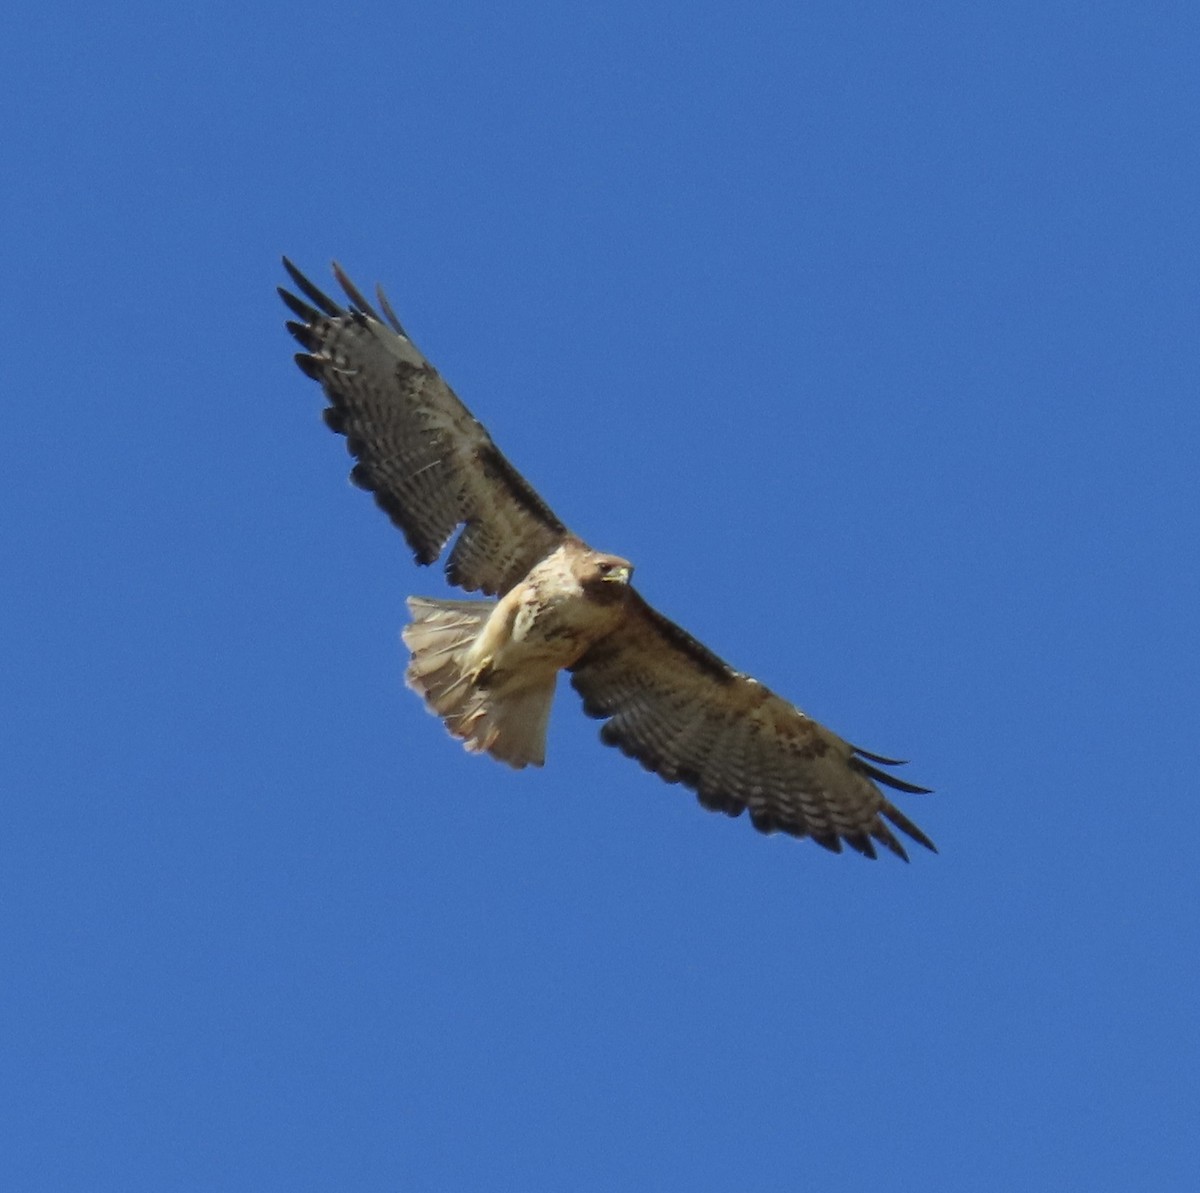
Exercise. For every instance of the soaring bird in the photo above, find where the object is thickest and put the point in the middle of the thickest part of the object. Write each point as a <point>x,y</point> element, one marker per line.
<point>488,668</point>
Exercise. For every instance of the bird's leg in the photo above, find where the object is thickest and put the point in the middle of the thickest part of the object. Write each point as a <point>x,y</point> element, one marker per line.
<point>480,664</point>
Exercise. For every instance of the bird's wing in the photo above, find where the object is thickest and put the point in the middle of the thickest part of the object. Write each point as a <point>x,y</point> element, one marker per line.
<point>430,464</point>
<point>685,714</point>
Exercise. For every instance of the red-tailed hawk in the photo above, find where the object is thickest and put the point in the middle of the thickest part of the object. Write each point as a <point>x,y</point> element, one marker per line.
<point>488,667</point>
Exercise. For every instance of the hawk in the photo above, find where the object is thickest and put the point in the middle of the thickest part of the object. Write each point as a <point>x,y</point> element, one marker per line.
<point>488,668</point>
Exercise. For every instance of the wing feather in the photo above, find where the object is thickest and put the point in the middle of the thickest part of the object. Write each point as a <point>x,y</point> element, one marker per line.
<point>430,464</point>
<point>683,713</point>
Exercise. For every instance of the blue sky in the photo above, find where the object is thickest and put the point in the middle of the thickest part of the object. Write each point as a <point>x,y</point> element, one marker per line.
<point>868,331</point>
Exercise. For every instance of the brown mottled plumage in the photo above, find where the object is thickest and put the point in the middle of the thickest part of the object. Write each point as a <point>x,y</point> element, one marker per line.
<point>488,667</point>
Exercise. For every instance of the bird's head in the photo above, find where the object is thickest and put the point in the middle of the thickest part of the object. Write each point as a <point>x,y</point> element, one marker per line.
<point>613,570</point>
<point>606,576</point>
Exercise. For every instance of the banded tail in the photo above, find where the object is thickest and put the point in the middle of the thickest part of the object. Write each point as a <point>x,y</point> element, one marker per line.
<point>488,714</point>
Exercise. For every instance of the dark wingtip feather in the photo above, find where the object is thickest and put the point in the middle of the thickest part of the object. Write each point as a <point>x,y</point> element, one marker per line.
<point>830,841</point>
<point>300,309</point>
<point>881,776</point>
<point>887,838</point>
<point>353,293</point>
<point>303,334</point>
<point>860,842</point>
<point>879,757</point>
<point>386,307</point>
<point>764,822</point>
<point>322,301</point>
<point>308,365</point>
<point>907,827</point>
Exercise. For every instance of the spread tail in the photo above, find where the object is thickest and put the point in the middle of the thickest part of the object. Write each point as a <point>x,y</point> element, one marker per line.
<point>494,716</point>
